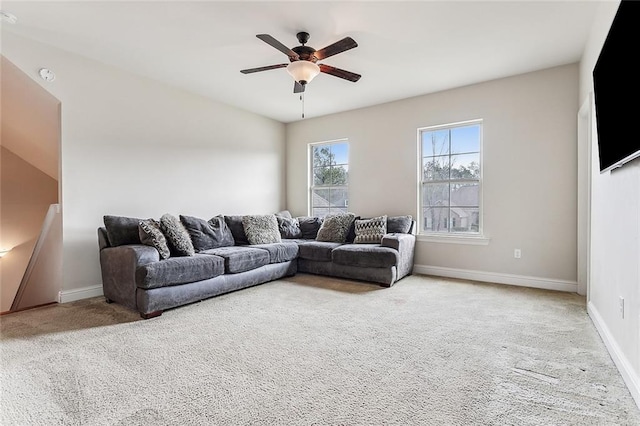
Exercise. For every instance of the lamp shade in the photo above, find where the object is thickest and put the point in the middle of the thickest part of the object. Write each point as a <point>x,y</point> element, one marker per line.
<point>303,71</point>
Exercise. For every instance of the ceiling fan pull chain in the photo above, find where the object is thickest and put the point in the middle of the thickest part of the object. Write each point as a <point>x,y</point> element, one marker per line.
<point>302,99</point>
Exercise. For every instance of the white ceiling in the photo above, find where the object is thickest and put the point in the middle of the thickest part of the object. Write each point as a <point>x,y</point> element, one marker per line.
<point>405,48</point>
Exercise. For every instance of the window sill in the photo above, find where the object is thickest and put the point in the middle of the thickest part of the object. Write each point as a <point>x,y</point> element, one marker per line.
<point>474,240</point>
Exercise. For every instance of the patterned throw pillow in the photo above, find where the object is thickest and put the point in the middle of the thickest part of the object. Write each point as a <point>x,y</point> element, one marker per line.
<point>261,229</point>
<point>335,227</point>
<point>370,231</point>
<point>151,235</point>
<point>177,236</point>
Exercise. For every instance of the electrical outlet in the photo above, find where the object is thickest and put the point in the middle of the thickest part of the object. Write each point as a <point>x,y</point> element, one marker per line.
<point>517,253</point>
<point>621,307</point>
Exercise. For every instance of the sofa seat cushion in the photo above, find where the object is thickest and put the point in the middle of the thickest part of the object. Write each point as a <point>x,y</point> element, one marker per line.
<point>178,270</point>
<point>317,250</point>
<point>240,259</point>
<point>280,252</point>
<point>366,256</point>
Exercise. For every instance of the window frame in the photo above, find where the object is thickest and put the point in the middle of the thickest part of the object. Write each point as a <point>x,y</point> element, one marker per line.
<point>310,175</point>
<point>451,237</point>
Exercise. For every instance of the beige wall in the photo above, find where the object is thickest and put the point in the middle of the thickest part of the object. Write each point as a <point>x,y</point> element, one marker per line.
<point>30,119</point>
<point>529,167</point>
<point>614,234</point>
<point>135,147</point>
<point>26,195</point>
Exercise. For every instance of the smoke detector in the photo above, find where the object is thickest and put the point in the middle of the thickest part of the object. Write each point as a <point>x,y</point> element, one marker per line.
<point>47,74</point>
<point>8,17</point>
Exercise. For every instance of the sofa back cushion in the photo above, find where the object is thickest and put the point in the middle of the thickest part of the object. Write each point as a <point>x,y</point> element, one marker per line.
<point>285,214</point>
<point>237,229</point>
<point>121,230</point>
<point>309,226</point>
<point>399,224</point>
<point>209,234</point>
<point>289,227</point>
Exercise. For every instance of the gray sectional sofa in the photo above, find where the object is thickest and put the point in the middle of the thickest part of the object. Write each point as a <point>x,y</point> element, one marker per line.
<point>142,277</point>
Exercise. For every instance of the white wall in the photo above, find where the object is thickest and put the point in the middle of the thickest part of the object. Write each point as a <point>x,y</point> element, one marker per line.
<point>135,147</point>
<point>529,162</point>
<point>615,235</point>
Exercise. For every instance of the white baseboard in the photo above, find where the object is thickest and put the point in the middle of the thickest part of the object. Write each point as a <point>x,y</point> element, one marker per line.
<point>499,278</point>
<point>79,293</point>
<point>627,372</point>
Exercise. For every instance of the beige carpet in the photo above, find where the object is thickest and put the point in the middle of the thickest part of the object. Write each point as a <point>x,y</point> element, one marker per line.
<point>317,351</point>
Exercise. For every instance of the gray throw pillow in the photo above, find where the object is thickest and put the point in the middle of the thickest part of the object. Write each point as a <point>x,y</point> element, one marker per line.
<point>177,236</point>
<point>335,227</point>
<point>370,231</point>
<point>237,230</point>
<point>261,229</point>
<point>121,230</point>
<point>151,235</point>
<point>351,235</point>
<point>209,234</point>
<point>399,224</point>
<point>309,226</point>
<point>289,228</point>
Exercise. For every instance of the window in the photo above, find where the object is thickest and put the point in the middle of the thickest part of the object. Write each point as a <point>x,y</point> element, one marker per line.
<point>450,178</point>
<point>329,190</point>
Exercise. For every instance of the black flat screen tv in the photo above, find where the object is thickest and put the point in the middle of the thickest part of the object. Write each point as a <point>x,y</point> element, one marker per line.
<point>616,88</point>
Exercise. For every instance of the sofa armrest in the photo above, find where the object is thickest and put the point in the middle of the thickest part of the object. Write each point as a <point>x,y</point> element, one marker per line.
<point>119,265</point>
<point>405,244</point>
<point>398,241</point>
<point>138,254</point>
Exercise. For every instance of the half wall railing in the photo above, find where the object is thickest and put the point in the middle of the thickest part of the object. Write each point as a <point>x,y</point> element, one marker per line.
<point>42,279</point>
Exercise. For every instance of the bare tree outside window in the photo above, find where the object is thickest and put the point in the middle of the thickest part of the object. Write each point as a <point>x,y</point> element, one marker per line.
<point>451,178</point>
<point>329,178</point>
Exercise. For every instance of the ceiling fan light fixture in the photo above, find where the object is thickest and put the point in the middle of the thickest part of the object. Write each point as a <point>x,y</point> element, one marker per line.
<point>303,71</point>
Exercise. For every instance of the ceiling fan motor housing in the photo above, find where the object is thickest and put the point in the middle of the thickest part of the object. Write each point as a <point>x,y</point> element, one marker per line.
<point>305,53</point>
<point>303,37</point>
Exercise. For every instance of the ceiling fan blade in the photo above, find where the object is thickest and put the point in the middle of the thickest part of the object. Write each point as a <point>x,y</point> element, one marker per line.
<point>297,87</point>
<point>275,43</point>
<point>269,67</point>
<point>337,72</point>
<point>335,48</point>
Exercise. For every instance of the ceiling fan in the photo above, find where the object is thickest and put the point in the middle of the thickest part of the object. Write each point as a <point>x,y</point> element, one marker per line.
<point>302,66</point>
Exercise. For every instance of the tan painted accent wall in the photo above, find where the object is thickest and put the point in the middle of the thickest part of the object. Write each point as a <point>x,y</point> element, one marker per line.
<point>29,170</point>
<point>30,119</point>
<point>24,199</point>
